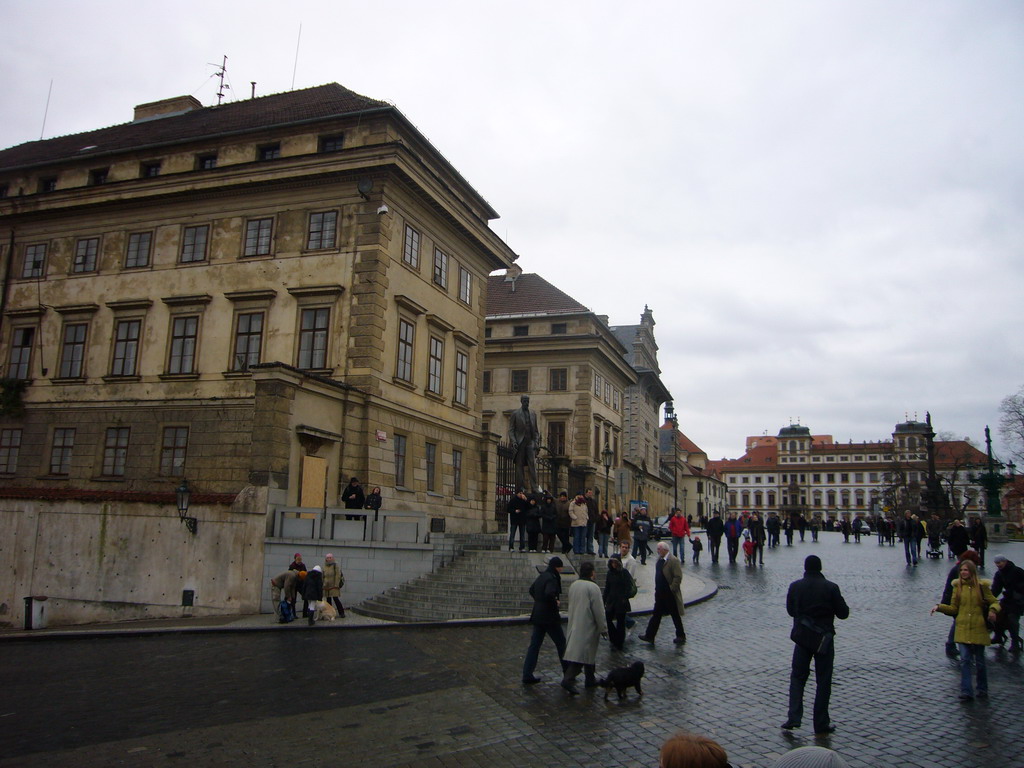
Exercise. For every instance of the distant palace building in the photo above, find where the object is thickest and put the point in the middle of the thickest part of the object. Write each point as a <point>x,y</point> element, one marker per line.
<point>814,475</point>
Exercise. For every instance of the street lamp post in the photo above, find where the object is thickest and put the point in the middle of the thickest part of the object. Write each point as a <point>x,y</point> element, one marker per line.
<point>606,458</point>
<point>685,492</point>
<point>992,480</point>
<point>183,494</point>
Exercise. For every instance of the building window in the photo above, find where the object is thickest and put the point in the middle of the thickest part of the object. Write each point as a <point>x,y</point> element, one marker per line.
<point>72,351</point>
<point>60,451</point>
<point>558,329</point>
<point>322,230</point>
<point>21,352</point>
<point>85,255</point>
<point>400,454</point>
<point>149,170</point>
<point>35,258</point>
<point>441,268</point>
<point>597,442</point>
<point>559,379</point>
<point>457,472</point>
<point>184,334</point>
<point>519,380</point>
<point>556,437</point>
<point>313,338</point>
<point>172,451</point>
<point>269,152</point>
<point>520,330</point>
<point>48,184</point>
<point>431,456</point>
<point>598,385</point>
<point>115,451</point>
<point>331,143</point>
<point>126,347</point>
<point>248,341</point>
<point>461,377</point>
<point>435,365</point>
<point>193,243</point>
<point>138,249</point>
<point>98,176</point>
<point>206,162</point>
<point>411,247</point>
<point>10,444</point>
<point>406,334</point>
<point>465,286</point>
<point>257,237</point>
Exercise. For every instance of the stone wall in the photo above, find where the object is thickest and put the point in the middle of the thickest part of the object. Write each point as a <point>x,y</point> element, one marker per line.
<point>118,561</point>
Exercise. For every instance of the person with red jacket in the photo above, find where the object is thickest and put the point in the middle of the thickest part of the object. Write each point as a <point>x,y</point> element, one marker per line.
<point>679,527</point>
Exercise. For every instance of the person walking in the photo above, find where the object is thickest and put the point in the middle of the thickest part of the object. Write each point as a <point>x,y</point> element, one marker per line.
<point>757,535</point>
<point>911,530</point>
<point>733,531</point>
<point>619,587</point>
<point>334,580</point>
<point>586,625</point>
<point>715,530</point>
<point>592,515</point>
<point>1008,585</point>
<point>603,531</point>
<point>631,566</point>
<point>622,530</point>
<point>815,603</point>
<point>972,599</point>
<point>787,527</point>
<point>815,526</point>
<point>642,528</point>
<point>578,516</point>
<point>546,592</point>
<point>680,530</point>
<point>668,595</point>
<point>979,538</point>
<point>772,526</point>
<point>958,537</point>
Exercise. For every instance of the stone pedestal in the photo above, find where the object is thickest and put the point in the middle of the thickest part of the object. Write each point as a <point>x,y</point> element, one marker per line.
<point>995,526</point>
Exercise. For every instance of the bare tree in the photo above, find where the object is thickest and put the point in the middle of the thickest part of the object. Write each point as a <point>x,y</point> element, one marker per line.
<point>1011,423</point>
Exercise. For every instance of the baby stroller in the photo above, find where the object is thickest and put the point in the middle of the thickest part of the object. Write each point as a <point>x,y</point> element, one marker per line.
<point>935,546</point>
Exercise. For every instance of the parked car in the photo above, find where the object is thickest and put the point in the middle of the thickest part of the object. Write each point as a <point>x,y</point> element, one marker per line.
<point>661,530</point>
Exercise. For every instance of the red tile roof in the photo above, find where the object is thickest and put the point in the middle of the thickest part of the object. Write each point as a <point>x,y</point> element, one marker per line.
<point>309,104</point>
<point>529,294</point>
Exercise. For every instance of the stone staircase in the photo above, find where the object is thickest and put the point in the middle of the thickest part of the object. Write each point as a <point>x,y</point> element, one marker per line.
<point>483,581</point>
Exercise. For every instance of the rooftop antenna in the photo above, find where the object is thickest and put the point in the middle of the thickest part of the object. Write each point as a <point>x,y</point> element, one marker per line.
<point>253,94</point>
<point>296,65</point>
<point>46,111</point>
<point>220,74</point>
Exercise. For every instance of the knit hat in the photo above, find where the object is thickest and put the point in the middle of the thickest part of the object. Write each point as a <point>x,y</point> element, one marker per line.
<point>1000,559</point>
<point>318,569</point>
<point>812,564</point>
<point>811,757</point>
<point>555,562</point>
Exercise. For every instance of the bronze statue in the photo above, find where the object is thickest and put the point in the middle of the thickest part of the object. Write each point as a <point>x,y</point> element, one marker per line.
<point>525,439</point>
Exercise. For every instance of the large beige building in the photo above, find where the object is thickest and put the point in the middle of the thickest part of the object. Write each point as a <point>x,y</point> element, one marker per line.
<point>816,475</point>
<point>266,298</point>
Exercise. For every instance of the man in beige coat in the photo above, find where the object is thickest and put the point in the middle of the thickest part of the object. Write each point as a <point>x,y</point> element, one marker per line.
<point>668,595</point>
<point>586,625</point>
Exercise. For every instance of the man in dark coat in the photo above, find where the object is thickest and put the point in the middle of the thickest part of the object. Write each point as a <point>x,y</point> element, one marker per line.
<point>814,603</point>
<point>517,508</point>
<point>757,535</point>
<point>959,537</point>
<point>715,529</point>
<point>313,590</point>
<point>1009,581</point>
<point>353,496</point>
<point>733,530</point>
<point>546,592</point>
<point>979,538</point>
<point>592,515</point>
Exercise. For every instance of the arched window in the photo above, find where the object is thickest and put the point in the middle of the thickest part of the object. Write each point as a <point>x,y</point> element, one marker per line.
<point>793,446</point>
<point>817,498</point>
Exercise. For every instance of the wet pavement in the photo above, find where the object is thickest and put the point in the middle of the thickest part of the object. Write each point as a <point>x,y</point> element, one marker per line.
<point>450,696</point>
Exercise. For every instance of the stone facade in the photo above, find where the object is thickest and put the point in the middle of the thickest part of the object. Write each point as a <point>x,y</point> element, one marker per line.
<point>277,293</point>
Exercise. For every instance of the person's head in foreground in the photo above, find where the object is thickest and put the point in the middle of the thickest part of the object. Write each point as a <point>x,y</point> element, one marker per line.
<point>810,757</point>
<point>690,750</point>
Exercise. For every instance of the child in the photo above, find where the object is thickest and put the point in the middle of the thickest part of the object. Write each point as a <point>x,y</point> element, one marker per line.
<point>696,548</point>
<point>748,548</point>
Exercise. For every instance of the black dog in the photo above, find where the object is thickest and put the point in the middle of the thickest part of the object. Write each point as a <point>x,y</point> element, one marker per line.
<point>623,678</point>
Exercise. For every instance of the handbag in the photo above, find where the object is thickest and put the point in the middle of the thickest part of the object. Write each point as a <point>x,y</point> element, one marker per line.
<point>811,637</point>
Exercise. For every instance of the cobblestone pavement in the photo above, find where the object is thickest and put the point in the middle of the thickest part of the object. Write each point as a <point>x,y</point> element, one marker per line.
<point>451,697</point>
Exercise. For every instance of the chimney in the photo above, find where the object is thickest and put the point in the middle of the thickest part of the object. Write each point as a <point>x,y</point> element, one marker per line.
<point>166,107</point>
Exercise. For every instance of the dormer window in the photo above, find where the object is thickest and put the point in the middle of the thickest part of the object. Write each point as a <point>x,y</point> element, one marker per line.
<point>149,170</point>
<point>48,184</point>
<point>98,176</point>
<point>269,152</point>
<point>206,162</point>
<point>331,143</point>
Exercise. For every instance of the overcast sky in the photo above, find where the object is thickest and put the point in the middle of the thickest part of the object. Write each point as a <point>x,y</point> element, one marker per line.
<point>820,201</point>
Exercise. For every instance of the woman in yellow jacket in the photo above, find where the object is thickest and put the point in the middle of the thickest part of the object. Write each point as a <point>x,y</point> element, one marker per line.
<point>971,598</point>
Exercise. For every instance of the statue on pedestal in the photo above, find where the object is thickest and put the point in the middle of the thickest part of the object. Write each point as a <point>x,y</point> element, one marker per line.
<point>524,436</point>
